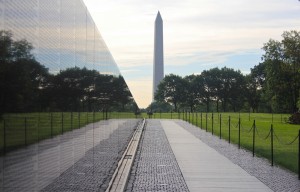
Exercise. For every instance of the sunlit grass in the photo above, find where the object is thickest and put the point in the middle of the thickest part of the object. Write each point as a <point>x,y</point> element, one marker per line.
<point>27,128</point>
<point>41,126</point>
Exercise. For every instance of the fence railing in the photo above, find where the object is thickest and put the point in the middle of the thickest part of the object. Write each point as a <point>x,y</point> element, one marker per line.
<point>18,130</point>
<point>251,131</point>
<point>260,138</point>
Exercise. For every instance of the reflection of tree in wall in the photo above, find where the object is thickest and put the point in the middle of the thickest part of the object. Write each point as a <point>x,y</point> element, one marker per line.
<point>22,77</point>
<point>27,86</point>
<point>76,89</point>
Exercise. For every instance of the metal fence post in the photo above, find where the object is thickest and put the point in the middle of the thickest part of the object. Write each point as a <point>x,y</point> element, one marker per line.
<point>78,119</point>
<point>272,146</point>
<point>93,116</point>
<point>229,126</point>
<point>87,117</point>
<point>25,131</point>
<point>253,139</point>
<point>62,122</point>
<point>201,120</point>
<point>51,124</point>
<point>71,120</point>
<point>38,127</point>
<point>212,123</point>
<point>197,119</point>
<point>220,126</point>
<point>4,136</point>
<point>105,113</point>
<point>299,155</point>
<point>206,122</point>
<point>239,132</point>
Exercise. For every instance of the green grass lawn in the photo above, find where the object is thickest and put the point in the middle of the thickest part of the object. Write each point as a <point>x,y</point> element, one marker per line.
<point>284,153</point>
<point>27,128</point>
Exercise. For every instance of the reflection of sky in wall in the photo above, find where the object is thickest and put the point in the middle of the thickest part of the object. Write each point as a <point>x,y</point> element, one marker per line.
<point>62,32</point>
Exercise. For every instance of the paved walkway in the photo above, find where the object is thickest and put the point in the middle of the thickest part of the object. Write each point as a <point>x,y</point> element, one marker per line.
<point>277,178</point>
<point>203,168</point>
<point>155,167</point>
<point>172,156</point>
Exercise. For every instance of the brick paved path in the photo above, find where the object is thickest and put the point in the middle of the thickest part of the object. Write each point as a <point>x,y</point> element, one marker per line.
<point>155,167</point>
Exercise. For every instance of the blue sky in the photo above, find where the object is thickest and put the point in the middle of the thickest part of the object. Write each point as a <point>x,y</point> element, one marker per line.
<point>198,35</point>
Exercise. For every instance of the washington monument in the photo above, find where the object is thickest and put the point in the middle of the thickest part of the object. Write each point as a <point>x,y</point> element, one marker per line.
<point>158,59</point>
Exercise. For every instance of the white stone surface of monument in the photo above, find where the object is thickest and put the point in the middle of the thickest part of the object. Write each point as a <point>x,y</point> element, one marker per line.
<point>158,59</point>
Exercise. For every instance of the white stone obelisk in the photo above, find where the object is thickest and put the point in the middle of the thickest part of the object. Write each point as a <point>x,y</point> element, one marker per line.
<point>158,59</point>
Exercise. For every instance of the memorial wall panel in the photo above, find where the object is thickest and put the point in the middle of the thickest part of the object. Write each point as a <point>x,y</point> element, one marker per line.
<point>58,86</point>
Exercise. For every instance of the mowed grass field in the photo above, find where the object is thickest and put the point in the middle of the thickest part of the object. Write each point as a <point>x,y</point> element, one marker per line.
<point>18,130</point>
<point>285,135</point>
<point>24,129</point>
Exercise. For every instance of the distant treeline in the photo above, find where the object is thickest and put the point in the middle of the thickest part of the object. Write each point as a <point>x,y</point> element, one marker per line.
<point>27,86</point>
<point>272,86</point>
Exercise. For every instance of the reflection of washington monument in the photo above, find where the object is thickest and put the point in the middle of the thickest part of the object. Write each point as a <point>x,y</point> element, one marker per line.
<point>158,59</point>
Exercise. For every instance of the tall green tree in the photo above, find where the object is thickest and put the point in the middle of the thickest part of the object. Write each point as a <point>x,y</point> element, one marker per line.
<point>192,97</point>
<point>282,71</point>
<point>172,89</point>
<point>255,82</point>
<point>232,89</point>
<point>213,84</point>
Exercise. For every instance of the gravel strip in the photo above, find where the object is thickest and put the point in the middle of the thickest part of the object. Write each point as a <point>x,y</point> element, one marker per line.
<point>155,167</point>
<point>277,178</point>
<point>94,171</point>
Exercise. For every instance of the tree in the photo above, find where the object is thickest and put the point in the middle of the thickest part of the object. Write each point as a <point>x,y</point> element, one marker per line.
<point>232,88</point>
<point>156,107</point>
<point>213,84</point>
<point>291,44</point>
<point>255,86</point>
<point>192,96</point>
<point>172,89</point>
<point>282,61</point>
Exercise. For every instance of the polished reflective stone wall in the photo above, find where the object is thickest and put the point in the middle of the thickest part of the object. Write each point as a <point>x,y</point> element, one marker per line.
<point>62,33</point>
<point>60,95</point>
